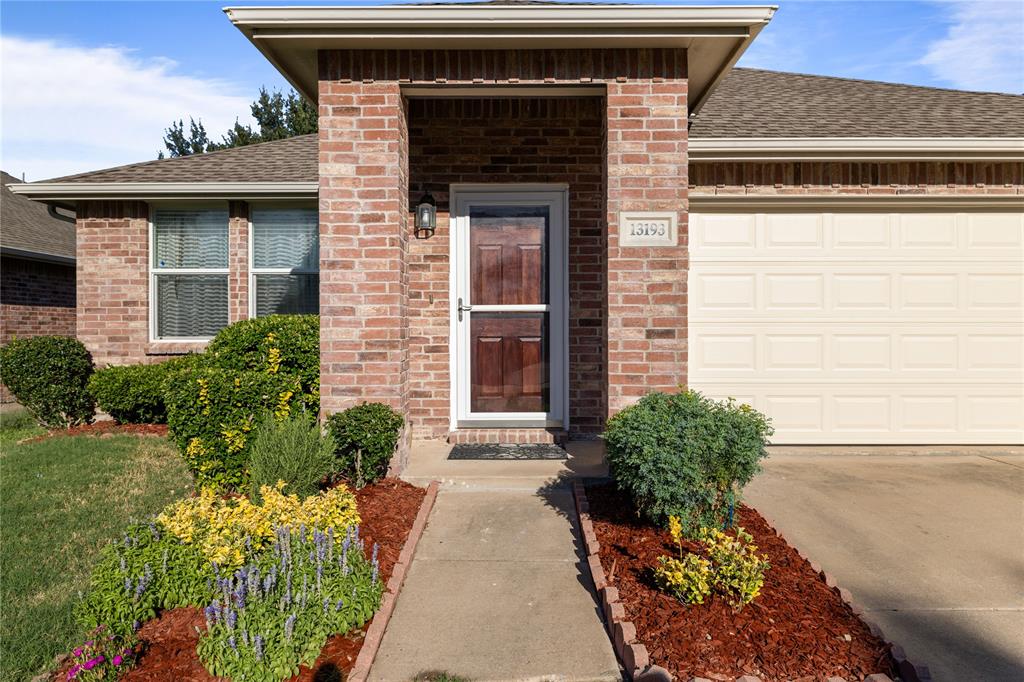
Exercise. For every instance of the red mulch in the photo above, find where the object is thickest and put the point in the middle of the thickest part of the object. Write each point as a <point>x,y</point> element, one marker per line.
<point>104,428</point>
<point>796,628</point>
<point>387,510</point>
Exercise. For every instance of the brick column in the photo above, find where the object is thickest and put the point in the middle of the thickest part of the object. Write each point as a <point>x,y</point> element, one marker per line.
<point>363,244</point>
<point>646,171</point>
<point>238,261</point>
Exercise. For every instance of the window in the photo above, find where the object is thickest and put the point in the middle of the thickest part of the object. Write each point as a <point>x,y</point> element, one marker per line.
<point>189,273</point>
<point>285,268</point>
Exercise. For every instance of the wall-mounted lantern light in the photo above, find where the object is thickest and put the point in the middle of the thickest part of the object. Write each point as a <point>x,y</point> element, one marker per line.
<point>426,216</point>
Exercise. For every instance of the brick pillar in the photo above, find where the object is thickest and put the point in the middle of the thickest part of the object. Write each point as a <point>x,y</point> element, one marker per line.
<point>363,244</point>
<point>646,171</point>
<point>238,261</point>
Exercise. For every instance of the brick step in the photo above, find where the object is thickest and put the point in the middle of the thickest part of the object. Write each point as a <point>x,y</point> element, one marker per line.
<point>511,436</point>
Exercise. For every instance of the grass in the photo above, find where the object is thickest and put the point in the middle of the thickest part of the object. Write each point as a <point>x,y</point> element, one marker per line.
<point>63,499</point>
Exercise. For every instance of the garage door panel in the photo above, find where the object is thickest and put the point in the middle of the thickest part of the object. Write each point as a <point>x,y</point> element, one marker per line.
<point>863,327</point>
<point>905,352</point>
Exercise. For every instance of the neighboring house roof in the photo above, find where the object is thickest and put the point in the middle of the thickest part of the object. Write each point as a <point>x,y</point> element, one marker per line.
<point>757,103</point>
<point>753,114</point>
<point>27,229</point>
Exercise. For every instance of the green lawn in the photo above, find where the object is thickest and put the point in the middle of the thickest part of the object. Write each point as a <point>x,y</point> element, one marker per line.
<point>61,501</point>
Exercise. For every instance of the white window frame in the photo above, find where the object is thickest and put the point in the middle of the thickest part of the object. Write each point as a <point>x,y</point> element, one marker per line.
<point>253,270</point>
<point>155,271</point>
<point>555,196</point>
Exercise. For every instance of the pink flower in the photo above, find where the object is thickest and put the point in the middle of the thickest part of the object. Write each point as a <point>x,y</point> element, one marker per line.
<point>100,659</point>
<point>77,652</point>
<point>117,660</point>
<point>89,643</point>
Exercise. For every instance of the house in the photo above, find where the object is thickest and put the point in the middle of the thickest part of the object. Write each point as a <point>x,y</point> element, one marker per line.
<point>618,210</point>
<point>37,269</point>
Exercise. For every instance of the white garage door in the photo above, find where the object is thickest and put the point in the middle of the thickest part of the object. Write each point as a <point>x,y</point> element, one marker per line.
<point>856,327</point>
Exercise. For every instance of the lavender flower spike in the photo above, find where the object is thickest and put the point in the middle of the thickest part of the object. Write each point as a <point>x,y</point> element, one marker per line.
<point>289,627</point>
<point>257,647</point>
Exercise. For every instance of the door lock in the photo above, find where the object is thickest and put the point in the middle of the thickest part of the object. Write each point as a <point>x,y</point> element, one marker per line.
<point>463,308</point>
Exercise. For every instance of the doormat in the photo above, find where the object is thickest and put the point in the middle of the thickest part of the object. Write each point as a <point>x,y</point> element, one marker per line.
<point>507,451</point>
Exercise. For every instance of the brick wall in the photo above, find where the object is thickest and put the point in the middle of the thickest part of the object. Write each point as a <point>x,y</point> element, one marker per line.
<point>507,140</point>
<point>876,178</point>
<point>36,299</point>
<point>646,171</point>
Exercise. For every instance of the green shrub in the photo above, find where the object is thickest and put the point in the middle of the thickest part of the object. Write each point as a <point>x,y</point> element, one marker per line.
<point>49,376</point>
<point>133,394</point>
<point>292,450</point>
<point>686,455</point>
<point>212,412</point>
<point>276,344</point>
<point>366,437</point>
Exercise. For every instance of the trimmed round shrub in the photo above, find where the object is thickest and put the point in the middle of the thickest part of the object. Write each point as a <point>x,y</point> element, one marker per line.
<point>366,436</point>
<point>212,412</point>
<point>686,455</point>
<point>275,344</point>
<point>134,394</point>
<point>292,450</point>
<point>49,376</point>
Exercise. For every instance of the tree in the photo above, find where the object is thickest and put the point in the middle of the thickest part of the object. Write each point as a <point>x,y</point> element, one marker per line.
<point>278,116</point>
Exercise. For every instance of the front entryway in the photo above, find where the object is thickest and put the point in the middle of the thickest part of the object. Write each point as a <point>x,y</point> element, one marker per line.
<point>509,308</point>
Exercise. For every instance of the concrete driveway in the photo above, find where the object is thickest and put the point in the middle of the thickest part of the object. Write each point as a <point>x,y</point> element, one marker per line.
<point>929,540</point>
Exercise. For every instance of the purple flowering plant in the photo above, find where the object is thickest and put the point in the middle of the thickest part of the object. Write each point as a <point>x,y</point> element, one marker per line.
<point>102,657</point>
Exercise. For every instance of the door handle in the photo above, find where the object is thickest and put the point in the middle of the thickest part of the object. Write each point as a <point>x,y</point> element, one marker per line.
<point>463,308</point>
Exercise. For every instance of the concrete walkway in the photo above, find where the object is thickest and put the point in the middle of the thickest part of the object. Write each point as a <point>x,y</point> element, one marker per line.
<point>930,544</point>
<point>496,590</point>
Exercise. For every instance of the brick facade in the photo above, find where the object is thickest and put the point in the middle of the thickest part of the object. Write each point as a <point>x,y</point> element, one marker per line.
<point>36,299</point>
<point>371,350</point>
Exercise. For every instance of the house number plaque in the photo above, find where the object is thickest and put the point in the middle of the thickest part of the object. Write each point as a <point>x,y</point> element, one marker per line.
<point>647,228</point>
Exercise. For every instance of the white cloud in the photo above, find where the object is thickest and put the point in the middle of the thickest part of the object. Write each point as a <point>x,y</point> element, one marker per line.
<point>68,109</point>
<point>983,48</point>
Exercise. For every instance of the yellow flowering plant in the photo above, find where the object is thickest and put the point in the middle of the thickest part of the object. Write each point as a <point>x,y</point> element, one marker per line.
<point>228,529</point>
<point>732,567</point>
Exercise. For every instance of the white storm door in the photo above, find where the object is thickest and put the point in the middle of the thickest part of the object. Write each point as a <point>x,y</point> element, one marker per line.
<point>509,308</point>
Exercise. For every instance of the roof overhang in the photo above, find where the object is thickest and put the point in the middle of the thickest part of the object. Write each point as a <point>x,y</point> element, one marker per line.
<point>714,37</point>
<point>69,192</point>
<point>856,149</point>
<point>28,254</point>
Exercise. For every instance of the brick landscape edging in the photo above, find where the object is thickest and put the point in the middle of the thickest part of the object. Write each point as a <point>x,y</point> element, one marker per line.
<point>633,655</point>
<point>375,633</point>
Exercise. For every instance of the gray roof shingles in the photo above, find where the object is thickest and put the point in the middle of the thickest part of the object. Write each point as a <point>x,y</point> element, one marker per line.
<point>293,159</point>
<point>756,103</point>
<point>26,225</point>
<point>747,103</point>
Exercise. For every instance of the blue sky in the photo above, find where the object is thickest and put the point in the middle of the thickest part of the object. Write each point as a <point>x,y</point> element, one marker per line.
<point>87,85</point>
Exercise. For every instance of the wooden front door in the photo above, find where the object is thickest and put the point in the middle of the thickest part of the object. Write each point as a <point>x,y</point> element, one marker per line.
<point>509,308</point>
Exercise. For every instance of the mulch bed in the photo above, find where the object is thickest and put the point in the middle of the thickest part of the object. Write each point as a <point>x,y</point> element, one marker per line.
<point>104,428</point>
<point>797,629</point>
<point>387,510</point>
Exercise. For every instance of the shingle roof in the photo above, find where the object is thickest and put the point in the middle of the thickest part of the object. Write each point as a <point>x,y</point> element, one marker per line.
<point>26,225</point>
<point>747,103</point>
<point>290,160</point>
<point>756,103</point>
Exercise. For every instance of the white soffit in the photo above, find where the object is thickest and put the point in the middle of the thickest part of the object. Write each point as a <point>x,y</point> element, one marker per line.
<point>714,37</point>
<point>76,191</point>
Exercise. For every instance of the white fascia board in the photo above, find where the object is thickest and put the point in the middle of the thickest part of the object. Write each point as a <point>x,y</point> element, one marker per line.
<point>74,191</point>
<point>857,149</point>
<point>395,17</point>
